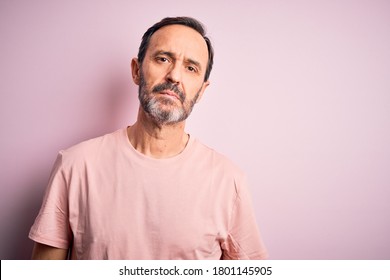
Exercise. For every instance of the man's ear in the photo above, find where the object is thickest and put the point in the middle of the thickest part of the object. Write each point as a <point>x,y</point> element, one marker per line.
<point>135,71</point>
<point>204,86</point>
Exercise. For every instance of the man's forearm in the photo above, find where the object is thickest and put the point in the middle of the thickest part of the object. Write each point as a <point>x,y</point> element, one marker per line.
<point>45,252</point>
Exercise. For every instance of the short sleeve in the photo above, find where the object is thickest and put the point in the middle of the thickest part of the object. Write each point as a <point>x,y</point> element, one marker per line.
<point>243,241</point>
<point>51,227</point>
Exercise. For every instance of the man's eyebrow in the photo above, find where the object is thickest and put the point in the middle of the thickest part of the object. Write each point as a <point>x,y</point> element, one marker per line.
<point>169,54</point>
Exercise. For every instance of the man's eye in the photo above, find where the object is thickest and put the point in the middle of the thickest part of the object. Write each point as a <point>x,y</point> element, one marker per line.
<point>162,59</point>
<point>191,69</point>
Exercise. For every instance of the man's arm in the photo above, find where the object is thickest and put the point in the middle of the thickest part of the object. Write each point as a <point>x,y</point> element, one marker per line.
<point>45,252</point>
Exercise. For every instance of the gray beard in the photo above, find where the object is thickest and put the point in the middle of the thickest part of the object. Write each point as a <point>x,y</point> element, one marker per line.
<point>151,104</point>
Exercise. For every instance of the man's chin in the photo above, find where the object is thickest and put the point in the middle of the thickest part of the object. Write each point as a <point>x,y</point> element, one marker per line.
<point>163,117</point>
<point>164,111</point>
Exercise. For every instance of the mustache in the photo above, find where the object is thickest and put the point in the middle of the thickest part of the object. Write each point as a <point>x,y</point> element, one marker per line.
<point>169,86</point>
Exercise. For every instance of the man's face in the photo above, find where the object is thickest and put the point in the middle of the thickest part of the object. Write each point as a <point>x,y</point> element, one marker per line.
<point>171,77</point>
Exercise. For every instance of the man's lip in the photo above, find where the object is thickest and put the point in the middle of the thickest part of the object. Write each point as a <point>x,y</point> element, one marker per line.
<point>170,93</point>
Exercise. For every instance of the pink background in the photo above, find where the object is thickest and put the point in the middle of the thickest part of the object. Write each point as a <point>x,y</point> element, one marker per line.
<point>300,99</point>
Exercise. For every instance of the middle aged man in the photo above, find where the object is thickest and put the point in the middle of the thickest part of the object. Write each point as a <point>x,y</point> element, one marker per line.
<point>151,191</point>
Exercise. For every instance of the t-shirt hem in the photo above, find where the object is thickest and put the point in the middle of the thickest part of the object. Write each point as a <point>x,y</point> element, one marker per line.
<point>45,241</point>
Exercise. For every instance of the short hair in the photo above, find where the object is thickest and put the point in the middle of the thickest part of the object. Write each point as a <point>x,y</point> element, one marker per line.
<point>186,21</point>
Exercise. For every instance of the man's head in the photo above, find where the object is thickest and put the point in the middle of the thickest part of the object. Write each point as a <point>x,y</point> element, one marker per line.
<point>172,70</point>
<point>186,21</point>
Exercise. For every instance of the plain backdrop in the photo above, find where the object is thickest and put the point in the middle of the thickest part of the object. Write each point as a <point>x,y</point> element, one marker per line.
<point>299,99</point>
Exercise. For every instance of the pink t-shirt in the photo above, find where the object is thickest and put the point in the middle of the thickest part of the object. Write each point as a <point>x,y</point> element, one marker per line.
<point>116,203</point>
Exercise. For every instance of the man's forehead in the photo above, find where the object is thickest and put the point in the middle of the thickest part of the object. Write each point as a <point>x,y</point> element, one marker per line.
<point>181,41</point>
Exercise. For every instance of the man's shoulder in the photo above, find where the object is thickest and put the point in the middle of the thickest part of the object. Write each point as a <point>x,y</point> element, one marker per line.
<point>217,159</point>
<point>92,148</point>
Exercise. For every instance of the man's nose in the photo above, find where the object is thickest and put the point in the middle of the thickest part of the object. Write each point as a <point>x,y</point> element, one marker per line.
<point>174,74</point>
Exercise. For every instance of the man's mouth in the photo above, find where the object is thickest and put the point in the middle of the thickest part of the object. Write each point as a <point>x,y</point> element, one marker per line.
<point>170,93</point>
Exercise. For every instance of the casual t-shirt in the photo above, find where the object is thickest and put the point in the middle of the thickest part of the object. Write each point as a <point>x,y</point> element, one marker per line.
<point>106,200</point>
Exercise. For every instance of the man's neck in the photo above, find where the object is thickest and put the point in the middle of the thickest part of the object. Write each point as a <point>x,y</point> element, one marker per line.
<point>157,141</point>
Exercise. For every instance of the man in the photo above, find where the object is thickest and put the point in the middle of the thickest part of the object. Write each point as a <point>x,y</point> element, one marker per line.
<point>151,191</point>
